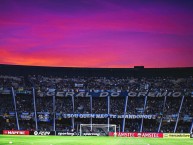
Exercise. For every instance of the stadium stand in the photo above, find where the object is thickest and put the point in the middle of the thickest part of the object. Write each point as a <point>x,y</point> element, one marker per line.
<point>142,100</point>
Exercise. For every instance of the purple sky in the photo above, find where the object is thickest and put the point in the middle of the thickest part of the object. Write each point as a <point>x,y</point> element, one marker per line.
<point>97,33</point>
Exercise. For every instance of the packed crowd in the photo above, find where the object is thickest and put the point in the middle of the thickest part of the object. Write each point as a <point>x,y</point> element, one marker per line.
<point>98,105</point>
<point>97,83</point>
<point>112,83</point>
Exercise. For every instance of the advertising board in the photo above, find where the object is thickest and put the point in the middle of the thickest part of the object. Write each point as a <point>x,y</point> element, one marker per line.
<point>176,135</point>
<point>137,134</point>
<point>15,132</point>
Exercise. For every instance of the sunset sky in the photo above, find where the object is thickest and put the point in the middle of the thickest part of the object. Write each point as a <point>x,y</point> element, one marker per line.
<point>97,33</point>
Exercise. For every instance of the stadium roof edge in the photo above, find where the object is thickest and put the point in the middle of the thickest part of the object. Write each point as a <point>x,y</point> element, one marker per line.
<point>135,67</point>
<point>77,71</point>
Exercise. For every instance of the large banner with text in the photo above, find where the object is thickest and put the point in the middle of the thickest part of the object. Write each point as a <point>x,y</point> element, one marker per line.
<point>108,116</point>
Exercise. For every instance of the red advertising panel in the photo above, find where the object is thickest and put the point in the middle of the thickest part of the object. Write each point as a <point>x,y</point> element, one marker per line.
<point>16,132</point>
<point>137,134</point>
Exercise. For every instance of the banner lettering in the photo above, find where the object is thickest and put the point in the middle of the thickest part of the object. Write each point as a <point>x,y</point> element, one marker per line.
<point>115,94</point>
<point>108,116</point>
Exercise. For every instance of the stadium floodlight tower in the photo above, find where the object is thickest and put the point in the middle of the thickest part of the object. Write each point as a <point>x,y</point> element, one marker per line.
<point>97,129</point>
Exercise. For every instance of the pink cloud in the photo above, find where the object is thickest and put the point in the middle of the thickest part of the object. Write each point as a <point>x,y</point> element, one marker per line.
<point>113,37</point>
